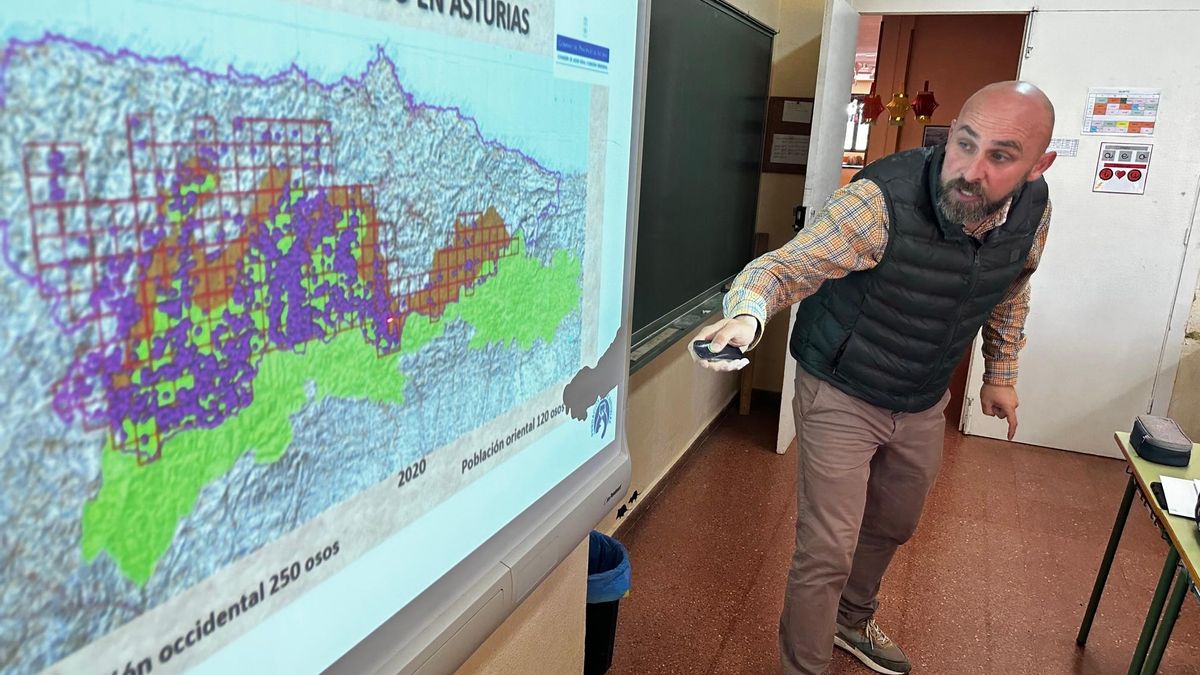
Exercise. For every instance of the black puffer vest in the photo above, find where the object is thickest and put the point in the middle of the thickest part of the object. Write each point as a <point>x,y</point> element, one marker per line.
<point>893,335</point>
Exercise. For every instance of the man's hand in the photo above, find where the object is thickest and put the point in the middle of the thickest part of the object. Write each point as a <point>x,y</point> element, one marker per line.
<point>738,331</point>
<point>1000,401</point>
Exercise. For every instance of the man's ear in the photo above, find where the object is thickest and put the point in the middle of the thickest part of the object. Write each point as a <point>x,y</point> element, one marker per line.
<point>1040,166</point>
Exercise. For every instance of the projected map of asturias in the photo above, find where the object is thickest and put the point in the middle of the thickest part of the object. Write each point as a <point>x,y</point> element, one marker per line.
<point>235,298</point>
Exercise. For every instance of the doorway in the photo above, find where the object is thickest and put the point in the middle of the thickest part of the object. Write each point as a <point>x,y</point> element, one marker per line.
<point>955,54</point>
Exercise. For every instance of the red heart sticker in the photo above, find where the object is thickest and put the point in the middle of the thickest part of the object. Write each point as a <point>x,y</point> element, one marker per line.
<point>1120,174</point>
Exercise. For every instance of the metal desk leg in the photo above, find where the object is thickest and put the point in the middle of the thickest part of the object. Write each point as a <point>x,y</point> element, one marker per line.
<point>1106,563</point>
<point>1182,582</point>
<point>1156,606</point>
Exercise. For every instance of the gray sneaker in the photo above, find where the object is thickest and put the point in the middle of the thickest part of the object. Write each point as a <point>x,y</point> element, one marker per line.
<point>868,644</point>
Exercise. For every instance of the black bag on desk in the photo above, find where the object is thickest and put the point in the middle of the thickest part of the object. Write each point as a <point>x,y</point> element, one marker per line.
<point>1160,440</point>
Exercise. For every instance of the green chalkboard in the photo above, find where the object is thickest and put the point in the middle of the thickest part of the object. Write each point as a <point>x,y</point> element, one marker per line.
<point>706,98</point>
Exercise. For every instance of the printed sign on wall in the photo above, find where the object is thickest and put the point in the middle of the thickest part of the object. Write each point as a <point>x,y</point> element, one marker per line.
<point>1122,168</point>
<point>1121,112</point>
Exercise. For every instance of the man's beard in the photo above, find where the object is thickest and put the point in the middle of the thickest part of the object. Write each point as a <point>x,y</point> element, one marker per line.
<point>963,213</point>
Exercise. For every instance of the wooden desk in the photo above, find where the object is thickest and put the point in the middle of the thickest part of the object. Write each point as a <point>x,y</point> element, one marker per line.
<point>1184,547</point>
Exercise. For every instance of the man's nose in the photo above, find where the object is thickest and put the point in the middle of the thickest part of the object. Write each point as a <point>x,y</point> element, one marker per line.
<point>975,171</point>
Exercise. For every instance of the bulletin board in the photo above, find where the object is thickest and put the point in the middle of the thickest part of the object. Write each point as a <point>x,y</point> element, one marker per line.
<point>788,133</point>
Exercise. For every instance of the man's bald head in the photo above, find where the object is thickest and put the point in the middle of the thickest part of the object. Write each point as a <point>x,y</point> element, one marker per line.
<point>997,144</point>
<point>1022,99</point>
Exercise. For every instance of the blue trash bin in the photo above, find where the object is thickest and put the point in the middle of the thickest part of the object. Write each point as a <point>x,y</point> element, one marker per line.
<point>609,578</point>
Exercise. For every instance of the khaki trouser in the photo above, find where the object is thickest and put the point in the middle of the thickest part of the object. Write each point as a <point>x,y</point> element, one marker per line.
<point>864,474</point>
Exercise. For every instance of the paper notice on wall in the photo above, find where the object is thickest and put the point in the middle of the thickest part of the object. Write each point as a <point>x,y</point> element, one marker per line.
<point>1121,112</point>
<point>1065,147</point>
<point>1122,168</point>
<point>789,149</point>
<point>800,112</point>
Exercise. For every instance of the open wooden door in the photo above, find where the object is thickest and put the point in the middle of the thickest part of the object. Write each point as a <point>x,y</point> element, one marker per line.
<point>835,76</point>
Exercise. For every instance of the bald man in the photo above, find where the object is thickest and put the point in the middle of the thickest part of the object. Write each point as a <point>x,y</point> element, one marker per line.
<point>894,279</point>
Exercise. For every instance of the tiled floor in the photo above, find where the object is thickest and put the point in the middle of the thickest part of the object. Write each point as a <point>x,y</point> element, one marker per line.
<point>995,580</point>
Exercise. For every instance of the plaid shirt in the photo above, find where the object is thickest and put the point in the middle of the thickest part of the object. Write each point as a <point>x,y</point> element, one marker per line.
<point>850,235</point>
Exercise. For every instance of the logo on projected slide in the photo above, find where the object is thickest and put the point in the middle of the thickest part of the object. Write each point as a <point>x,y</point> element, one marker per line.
<point>602,416</point>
